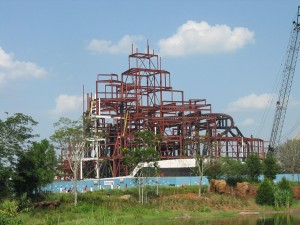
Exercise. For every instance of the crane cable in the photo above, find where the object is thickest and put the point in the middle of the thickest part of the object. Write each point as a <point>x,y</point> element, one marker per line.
<point>274,90</point>
<point>270,101</point>
<point>292,130</point>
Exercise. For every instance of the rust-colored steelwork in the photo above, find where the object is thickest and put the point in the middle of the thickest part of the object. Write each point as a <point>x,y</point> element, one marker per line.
<point>142,98</point>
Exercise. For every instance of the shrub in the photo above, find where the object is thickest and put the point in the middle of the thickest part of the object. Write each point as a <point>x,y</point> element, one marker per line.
<point>283,198</point>
<point>265,193</point>
<point>9,208</point>
<point>232,181</point>
<point>25,204</point>
<point>284,184</point>
<point>284,194</point>
<point>7,220</point>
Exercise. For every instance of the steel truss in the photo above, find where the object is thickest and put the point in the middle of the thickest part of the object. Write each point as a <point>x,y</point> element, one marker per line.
<point>142,98</point>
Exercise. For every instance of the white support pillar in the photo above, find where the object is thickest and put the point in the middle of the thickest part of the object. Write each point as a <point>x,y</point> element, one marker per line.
<point>81,175</point>
<point>97,170</point>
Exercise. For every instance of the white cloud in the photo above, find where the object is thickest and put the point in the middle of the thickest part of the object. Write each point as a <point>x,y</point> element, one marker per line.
<point>67,104</point>
<point>248,122</point>
<point>202,38</point>
<point>11,69</point>
<point>250,102</point>
<point>122,46</point>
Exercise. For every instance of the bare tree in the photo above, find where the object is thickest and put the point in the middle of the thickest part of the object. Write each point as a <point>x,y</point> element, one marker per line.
<point>289,156</point>
<point>201,167</point>
<point>201,161</point>
<point>69,137</point>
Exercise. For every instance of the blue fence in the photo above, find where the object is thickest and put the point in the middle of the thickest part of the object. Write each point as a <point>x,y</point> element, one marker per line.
<point>122,182</point>
<point>125,182</point>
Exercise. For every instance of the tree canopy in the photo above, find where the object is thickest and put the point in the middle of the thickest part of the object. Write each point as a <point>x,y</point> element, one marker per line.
<point>146,152</point>
<point>270,166</point>
<point>35,168</point>
<point>254,167</point>
<point>16,134</point>
<point>69,137</point>
<point>289,156</point>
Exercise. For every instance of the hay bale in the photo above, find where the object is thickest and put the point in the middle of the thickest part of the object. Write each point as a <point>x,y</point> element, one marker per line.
<point>243,188</point>
<point>212,185</point>
<point>221,186</point>
<point>125,197</point>
<point>296,191</point>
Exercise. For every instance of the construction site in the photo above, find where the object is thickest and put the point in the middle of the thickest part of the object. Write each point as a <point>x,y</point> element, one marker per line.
<point>142,98</point>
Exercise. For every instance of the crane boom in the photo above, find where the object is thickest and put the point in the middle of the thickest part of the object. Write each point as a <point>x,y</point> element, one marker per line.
<point>286,84</point>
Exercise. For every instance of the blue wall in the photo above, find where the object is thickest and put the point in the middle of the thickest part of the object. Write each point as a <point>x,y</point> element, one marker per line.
<point>124,182</point>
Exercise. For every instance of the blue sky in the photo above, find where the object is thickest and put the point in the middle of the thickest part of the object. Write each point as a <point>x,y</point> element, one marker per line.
<point>227,52</point>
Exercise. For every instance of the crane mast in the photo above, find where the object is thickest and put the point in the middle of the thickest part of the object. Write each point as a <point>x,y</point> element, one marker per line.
<point>286,84</point>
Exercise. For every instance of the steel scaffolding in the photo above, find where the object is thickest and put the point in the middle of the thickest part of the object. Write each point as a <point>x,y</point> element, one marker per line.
<point>142,98</point>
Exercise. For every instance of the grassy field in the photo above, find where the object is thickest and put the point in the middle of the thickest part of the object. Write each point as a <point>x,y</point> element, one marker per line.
<point>172,204</point>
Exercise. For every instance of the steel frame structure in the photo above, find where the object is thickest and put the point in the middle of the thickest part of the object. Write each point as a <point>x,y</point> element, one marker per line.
<point>142,98</point>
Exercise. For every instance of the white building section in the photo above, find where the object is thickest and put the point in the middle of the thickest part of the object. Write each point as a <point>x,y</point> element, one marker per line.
<point>167,164</point>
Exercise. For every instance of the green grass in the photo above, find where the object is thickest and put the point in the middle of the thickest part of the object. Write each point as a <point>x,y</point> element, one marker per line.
<point>172,204</point>
<point>101,215</point>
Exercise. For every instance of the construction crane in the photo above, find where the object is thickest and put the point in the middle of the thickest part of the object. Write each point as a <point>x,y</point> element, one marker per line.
<point>286,85</point>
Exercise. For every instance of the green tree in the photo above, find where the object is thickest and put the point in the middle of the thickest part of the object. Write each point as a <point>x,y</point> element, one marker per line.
<point>6,185</point>
<point>16,134</point>
<point>289,156</point>
<point>70,138</point>
<point>270,166</point>
<point>254,167</point>
<point>233,170</point>
<point>214,170</point>
<point>265,193</point>
<point>35,168</point>
<point>145,152</point>
<point>143,157</point>
<point>284,184</point>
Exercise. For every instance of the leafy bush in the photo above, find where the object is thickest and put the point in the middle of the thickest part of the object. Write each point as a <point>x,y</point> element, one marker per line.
<point>232,181</point>
<point>9,208</point>
<point>283,198</point>
<point>66,198</point>
<point>284,184</point>
<point>25,204</point>
<point>7,220</point>
<point>284,194</point>
<point>265,193</point>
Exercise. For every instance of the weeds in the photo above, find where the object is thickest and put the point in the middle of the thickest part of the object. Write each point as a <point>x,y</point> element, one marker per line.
<point>9,208</point>
<point>107,207</point>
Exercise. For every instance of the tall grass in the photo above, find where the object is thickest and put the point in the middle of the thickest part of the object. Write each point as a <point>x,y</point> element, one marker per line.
<point>106,207</point>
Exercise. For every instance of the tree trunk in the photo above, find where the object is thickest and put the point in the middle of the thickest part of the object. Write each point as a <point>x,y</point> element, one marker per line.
<point>142,191</point>
<point>200,185</point>
<point>140,199</point>
<point>142,195</point>
<point>75,187</point>
<point>156,185</point>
